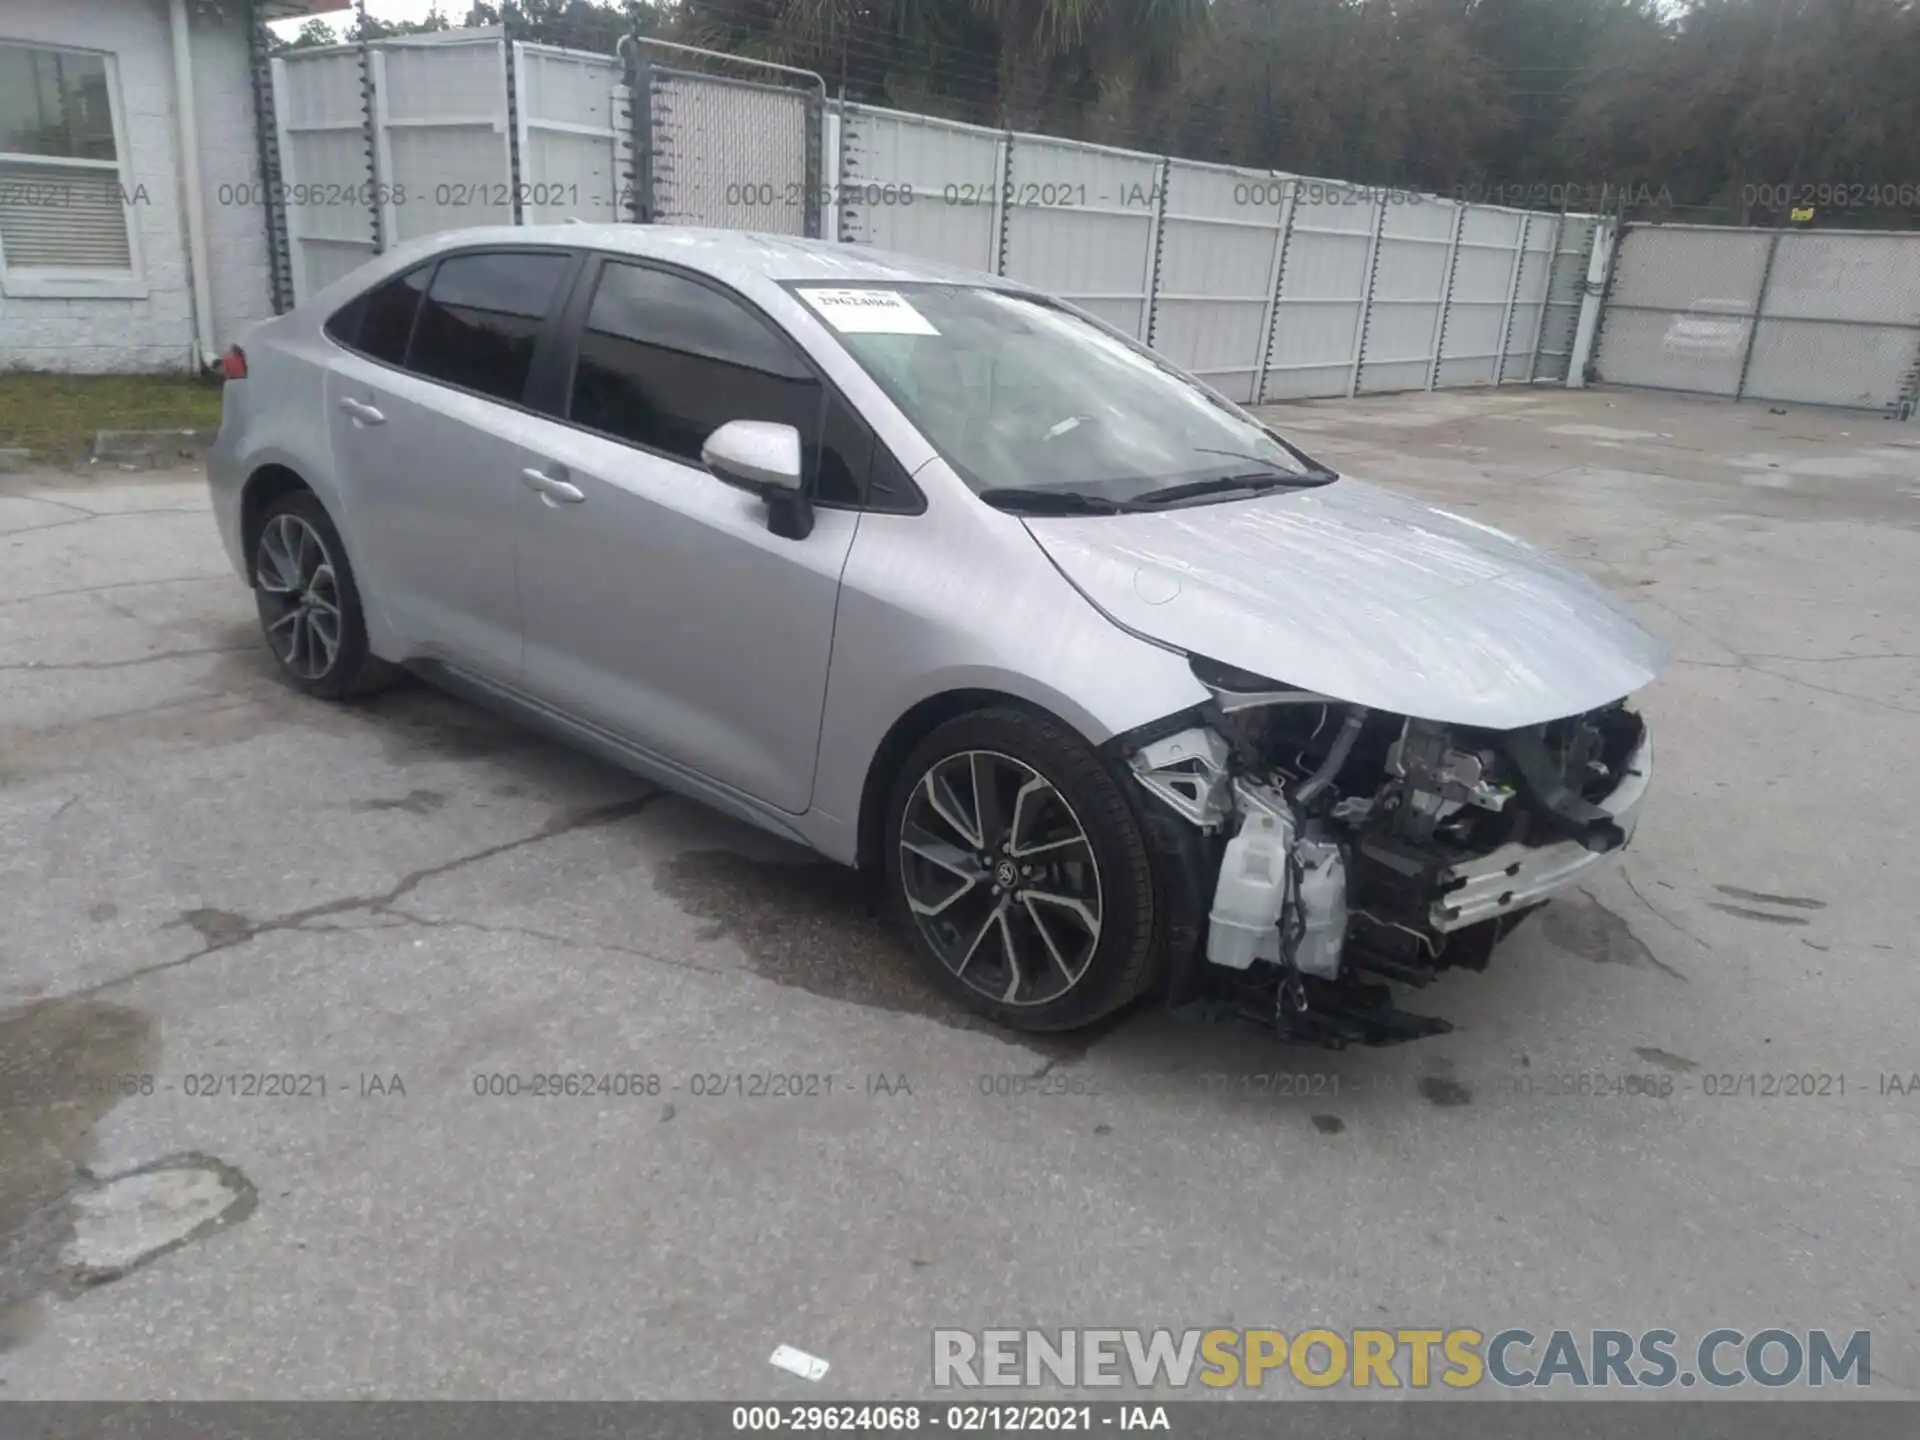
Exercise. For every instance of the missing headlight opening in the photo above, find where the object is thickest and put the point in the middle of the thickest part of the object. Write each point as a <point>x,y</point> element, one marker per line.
<point>1356,847</point>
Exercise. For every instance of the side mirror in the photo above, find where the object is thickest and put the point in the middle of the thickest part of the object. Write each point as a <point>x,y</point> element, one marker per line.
<point>763,458</point>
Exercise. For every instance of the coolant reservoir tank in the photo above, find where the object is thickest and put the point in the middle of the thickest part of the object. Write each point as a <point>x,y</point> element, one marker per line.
<point>1250,893</point>
<point>1323,908</point>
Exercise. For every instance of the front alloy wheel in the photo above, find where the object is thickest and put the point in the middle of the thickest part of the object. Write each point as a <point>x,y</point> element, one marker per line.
<point>1018,869</point>
<point>1001,878</point>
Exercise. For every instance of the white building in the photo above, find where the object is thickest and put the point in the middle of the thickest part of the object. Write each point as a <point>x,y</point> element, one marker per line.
<point>132,232</point>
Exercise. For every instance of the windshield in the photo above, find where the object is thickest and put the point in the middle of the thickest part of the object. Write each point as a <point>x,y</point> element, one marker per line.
<point>1018,395</point>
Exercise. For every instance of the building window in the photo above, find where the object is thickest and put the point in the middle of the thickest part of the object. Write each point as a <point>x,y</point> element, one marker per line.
<point>65,226</point>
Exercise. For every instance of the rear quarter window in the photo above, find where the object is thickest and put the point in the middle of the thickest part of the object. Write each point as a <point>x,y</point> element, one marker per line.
<point>379,323</point>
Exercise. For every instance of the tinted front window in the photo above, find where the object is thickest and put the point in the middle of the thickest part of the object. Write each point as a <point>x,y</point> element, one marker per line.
<point>481,318</point>
<point>846,451</point>
<point>665,361</point>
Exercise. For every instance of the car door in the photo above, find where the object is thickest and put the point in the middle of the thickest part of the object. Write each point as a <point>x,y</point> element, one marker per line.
<point>658,604</point>
<point>426,406</point>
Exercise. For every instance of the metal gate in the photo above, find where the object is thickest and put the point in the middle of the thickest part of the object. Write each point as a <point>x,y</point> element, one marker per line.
<point>1806,317</point>
<point>738,154</point>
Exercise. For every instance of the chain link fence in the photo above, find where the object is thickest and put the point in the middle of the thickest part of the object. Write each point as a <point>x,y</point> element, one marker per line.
<point>737,154</point>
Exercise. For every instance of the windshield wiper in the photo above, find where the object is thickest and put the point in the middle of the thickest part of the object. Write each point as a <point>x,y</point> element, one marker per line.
<point>1251,484</point>
<point>1309,470</point>
<point>1036,500</point>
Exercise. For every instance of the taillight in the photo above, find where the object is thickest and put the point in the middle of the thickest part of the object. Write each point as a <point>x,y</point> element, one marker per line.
<point>233,364</point>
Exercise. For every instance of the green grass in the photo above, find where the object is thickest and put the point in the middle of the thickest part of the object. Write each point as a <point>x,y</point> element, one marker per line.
<point>55,416</point>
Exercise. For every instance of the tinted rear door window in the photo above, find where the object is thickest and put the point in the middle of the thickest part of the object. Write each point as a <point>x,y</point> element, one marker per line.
<point>665,361</point>
<point>482,318</point>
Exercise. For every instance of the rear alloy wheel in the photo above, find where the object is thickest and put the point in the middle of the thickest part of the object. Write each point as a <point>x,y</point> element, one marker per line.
<point>309,607</point>
<point>301,589</point>
<point>1020,872</point>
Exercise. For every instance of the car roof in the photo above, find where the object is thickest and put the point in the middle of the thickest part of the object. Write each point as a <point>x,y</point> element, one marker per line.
<point>746,259</point>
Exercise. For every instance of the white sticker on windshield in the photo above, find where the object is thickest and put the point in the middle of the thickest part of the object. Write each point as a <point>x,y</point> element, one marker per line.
<point>868,312</point>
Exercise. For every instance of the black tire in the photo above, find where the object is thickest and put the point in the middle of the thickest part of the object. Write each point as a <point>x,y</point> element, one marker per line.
<point>1124,950</point>
<point>353,670</point>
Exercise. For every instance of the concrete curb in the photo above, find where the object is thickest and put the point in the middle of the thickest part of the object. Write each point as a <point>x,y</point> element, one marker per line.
<point>150,449</point>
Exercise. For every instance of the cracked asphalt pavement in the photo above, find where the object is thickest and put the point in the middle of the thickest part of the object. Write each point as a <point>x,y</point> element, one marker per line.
<point>401,907</point>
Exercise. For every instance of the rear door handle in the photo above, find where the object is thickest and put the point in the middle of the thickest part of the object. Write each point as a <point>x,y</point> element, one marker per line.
<point>551,489</point>
<point>362,412</point>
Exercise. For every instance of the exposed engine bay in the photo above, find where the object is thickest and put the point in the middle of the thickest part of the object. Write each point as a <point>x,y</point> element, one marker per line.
<point>1357,847</point>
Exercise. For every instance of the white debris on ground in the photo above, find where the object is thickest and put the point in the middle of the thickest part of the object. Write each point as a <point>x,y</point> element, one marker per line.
<point>128,1220</point>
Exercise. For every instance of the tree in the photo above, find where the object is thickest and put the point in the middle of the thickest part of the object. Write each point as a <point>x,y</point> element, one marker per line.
<point>1029,63</point>
<point>580,24</point>
<point>372,27</point>
<point>317,32</point>
<point>1733,106</point>
<point>312,35</point>
<point>1389,94</point>
<point>1542,54</point>
<point>1751,105</point>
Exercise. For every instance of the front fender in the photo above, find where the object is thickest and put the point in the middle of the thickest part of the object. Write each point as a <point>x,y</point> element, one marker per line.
<point>970,606</point>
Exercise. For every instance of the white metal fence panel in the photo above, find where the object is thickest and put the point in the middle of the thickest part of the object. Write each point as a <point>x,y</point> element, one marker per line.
<point>1680,307</point>
<point>1566,287</point>
<point>1268,286</point>
<point>1414,257</point>
<point>1221,240</point>
<point>573,144</point>
<point>1486,269</point>
<point>730,153</point>
<point>1840,322</point>
<point>1080,222</point>
<point>1320,313</point>
<point>921,186</point>
<point>320,108</point>
<point>444,151</point>
<point>1808,317</point>
<point>1539,236</point>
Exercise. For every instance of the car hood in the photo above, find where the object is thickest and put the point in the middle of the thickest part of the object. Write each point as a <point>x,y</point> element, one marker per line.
<point>1356,592</point>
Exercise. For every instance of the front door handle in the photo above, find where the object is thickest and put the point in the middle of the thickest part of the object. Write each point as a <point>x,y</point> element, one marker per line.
<point>551,489</point>
<point>362,412</point>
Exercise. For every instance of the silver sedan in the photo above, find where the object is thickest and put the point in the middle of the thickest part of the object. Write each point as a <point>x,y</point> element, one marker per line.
<point>1113,687</point>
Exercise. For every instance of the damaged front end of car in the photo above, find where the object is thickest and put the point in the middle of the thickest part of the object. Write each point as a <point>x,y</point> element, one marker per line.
<point>1349,848</point>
